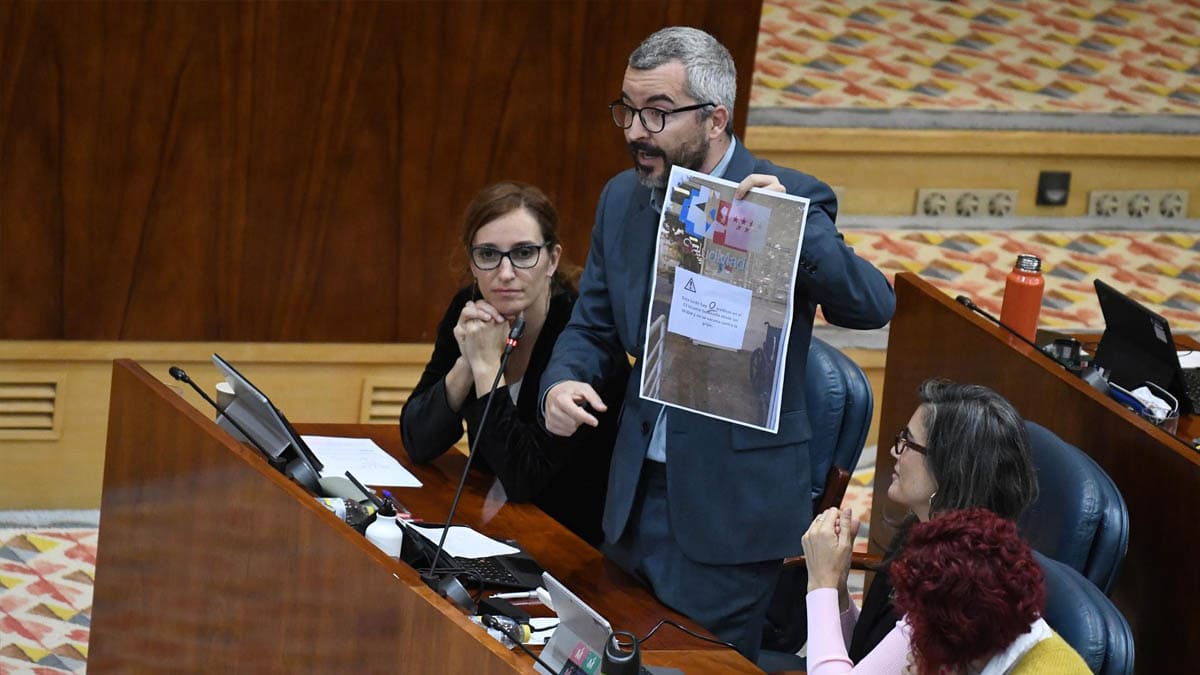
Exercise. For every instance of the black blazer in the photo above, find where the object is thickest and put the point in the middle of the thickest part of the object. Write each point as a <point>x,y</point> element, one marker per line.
<point>565,477</point>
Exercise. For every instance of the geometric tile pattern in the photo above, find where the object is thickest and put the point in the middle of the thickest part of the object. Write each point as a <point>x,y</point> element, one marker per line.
<point>1077,56</point>
<point>1161,269</point>
<point>46,581</point>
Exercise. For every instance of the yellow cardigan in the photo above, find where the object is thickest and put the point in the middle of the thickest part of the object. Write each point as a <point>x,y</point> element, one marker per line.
<point>1052,655</point>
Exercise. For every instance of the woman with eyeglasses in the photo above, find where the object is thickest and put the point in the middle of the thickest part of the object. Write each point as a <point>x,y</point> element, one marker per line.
<point>964,447</point>
<point>510,235</point>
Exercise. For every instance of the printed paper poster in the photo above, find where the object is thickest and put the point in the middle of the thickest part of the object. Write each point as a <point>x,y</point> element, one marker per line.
<point>721,299</point>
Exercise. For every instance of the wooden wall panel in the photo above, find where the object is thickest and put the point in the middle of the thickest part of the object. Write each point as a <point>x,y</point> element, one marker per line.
<point>294,171</point>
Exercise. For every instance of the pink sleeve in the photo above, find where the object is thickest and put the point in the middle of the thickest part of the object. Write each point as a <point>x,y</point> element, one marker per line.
<point>827,644</point>
<point>849,620</point>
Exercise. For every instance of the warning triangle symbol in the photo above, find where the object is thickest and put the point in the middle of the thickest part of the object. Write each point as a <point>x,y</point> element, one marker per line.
<point>690,285</point>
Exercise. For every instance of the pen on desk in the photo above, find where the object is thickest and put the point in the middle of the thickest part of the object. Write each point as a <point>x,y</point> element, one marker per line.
<point>401,509</point>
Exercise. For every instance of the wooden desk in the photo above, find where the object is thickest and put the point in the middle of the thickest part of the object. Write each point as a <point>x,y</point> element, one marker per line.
<point>1157,473</point>
<point>210,561</point>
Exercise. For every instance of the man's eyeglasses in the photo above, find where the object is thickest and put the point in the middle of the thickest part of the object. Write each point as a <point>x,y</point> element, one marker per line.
<point>522,257</point>
<point>653,119</point>
<point>904,442</point>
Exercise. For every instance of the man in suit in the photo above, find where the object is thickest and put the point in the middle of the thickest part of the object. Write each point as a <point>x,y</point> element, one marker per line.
<point>703,510</point>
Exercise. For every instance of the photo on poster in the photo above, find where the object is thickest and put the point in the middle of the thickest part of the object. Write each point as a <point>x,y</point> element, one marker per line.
<point>721,299</point>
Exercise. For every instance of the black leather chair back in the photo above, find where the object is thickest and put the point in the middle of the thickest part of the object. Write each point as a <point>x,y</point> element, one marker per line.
<point>1086,619</point>
<point>1079,517</point>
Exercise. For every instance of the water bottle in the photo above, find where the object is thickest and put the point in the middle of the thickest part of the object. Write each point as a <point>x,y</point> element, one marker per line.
<point>1023,296</point>
<point>385,532</point>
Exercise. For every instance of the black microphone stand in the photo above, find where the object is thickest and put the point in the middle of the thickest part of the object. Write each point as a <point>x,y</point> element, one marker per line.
<point>970,304</point>
<point>514,335</point>
<point>1091,375</point>
<point>179,374</point>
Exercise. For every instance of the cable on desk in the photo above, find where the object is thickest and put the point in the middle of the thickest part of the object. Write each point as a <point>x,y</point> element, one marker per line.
<point>685,630</point>
<point>516,639</point>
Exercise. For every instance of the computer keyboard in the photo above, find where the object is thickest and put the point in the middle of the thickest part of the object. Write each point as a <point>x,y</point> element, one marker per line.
<point>489,571</point>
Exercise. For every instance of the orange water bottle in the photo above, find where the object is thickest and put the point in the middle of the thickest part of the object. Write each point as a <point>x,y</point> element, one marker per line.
<point>1023,296</point>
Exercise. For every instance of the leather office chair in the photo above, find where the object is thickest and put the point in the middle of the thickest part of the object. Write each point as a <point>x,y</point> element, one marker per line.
<point>1079,517</point>
<point>1086,619</point>
<point>840,405</point>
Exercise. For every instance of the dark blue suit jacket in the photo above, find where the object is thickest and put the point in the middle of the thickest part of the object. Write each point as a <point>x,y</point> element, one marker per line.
<point>736,494</point>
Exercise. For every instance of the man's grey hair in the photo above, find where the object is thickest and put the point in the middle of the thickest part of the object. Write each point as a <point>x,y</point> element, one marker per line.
<point>711,74</point>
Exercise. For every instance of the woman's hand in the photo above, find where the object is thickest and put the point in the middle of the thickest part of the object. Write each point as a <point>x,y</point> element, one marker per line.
<point>480,333</point>
<point>827,548</point>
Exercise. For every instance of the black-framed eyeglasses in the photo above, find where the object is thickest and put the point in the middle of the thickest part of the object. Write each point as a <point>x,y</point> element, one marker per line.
<point>904,442</point>
<point>653,119</point>
<point>522,257</point>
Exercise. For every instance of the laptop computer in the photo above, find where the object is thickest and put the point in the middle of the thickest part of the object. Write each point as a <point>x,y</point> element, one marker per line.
<point>577,645</point>
<point>1137,347</point>
<point>517,571</point>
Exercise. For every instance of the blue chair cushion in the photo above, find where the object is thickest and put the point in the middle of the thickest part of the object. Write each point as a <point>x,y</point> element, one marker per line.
<point>1086,619</point>
<point>1079,517</point>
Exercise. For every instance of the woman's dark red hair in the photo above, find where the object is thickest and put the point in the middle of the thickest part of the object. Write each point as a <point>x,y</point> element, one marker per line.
<point>969,586</point>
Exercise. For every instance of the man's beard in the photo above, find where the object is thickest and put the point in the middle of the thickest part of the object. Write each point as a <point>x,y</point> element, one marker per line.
<point>689,156</point>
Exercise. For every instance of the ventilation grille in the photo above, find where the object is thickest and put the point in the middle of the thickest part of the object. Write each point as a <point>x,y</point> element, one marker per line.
<point>383,398</point>
<point>28,408</point>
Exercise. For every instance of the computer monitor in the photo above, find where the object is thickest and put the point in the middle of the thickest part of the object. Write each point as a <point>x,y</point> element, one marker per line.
<point>1137,346</point>
<point>267,428</point>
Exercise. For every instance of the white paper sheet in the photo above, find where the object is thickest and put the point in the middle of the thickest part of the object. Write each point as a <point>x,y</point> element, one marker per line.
<point>707,310</point>
<point>542,626</point>
<point>1189,358</point>
<point>463,542</point>
<point>361,457</point>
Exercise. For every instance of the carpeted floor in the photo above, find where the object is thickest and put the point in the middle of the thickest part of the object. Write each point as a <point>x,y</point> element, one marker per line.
<point>1159,268</point>
<point>46,578</point>
<point>1129,66</point>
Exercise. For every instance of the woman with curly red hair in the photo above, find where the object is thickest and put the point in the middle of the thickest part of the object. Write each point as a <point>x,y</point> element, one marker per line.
<point>972,596</point>
<point>964,447</point>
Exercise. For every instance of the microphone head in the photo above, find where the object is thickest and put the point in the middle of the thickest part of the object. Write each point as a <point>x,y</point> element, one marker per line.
<point>518,327</point>
<point>177,373</point>
<point>514,335</point>
<point>965,301</point>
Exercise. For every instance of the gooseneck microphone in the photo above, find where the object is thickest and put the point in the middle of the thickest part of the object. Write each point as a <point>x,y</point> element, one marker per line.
<point>179,374</point>
<point>1095,378</point>
<point>970,304</point>
<point>514,336</point>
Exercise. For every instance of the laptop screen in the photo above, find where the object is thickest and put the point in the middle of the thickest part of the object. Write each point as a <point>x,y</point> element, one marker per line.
<point>1137,346</point>
<point>580,635</point>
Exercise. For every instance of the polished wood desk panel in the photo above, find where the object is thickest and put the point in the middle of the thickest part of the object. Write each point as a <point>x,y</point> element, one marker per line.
<point>621,599</point>
<point>209,560</point>
<point>1157,473</point>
